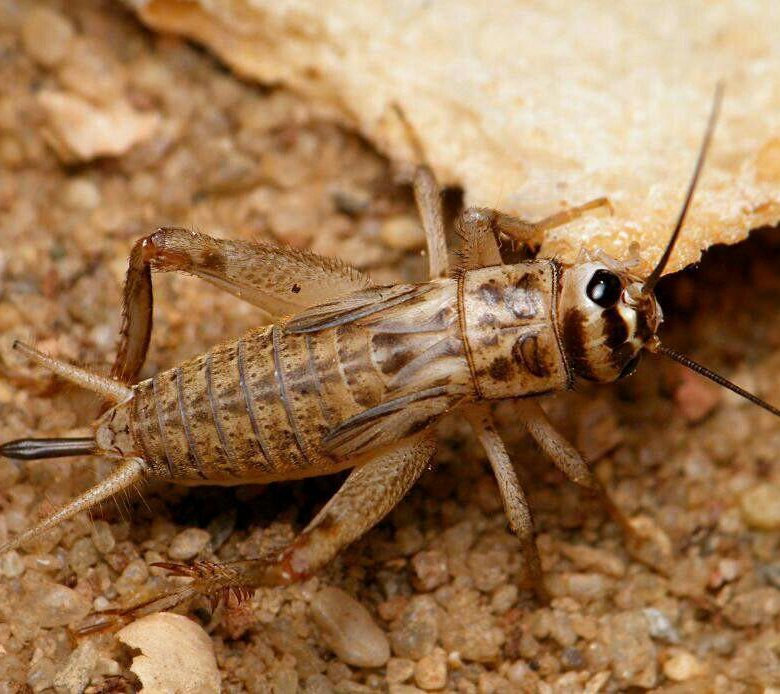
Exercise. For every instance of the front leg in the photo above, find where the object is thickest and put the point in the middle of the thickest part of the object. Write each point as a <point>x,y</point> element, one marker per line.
<point>482,230</point>
<point>370,492</point>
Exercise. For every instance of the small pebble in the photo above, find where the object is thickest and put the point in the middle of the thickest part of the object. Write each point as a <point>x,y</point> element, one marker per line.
<point>683,666</point>
<point>430,672</point>
<point>135,573</point>
<point>409,540</point>
<point>80,131</point>
<point>417,630</point>
<point>82,555</point>
<point>504,598</point>
<point>430,570</point>
<point>760,506</point>
<point>46,35</point>
<point>632,652</point>
<point>81,194</point>
<point>11,564</point>
<point>402,233</point>
<point>50,604</point>
<point>758,606</point>
<point>660,626</point>
<point>74,676</point>
<point>493,683</point>
<point>399,670</point>
<point>188,543</point>
<point>348,629</point>
<point>102,537</point>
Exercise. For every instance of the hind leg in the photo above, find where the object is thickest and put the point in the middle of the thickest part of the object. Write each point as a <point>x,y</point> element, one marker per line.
<point>367,495</point>
<point>277,279</point>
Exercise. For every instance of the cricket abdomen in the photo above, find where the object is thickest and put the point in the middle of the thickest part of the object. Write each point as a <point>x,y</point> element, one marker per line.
<point>263,407</point>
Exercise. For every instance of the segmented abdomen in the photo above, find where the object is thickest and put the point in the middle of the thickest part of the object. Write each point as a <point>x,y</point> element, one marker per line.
<point>259,408</point>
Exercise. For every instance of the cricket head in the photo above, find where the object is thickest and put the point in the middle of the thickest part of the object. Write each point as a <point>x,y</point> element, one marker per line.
<point>606,319</point>
<point>608,316</point>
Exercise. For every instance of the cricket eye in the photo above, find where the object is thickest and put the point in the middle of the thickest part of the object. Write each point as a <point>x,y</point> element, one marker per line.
<point>604,288</point>
<point>630,367</point>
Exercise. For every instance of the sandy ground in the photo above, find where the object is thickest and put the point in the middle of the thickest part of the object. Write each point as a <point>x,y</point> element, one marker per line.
<point>442,576</point>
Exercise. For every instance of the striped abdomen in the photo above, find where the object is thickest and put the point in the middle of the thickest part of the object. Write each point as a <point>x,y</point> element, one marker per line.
<point>266,407</point>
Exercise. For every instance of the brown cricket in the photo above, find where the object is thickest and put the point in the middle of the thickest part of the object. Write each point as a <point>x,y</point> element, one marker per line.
<point>355,376</point>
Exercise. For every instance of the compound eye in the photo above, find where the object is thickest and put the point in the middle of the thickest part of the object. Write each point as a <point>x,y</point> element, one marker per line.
<point>604,288</point>
<point>630,367</point>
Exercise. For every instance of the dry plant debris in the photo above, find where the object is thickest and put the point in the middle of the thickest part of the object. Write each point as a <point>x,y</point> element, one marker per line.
<point>176,655</point>
<point>441,578</point>
<point>531,106</point>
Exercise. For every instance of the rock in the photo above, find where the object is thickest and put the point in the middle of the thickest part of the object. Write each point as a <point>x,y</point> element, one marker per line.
<point>82,555</point>
<point>102,537</point>
<point>760,506</point>
<point>348,629</point>
<point>176,655</point>
<point>49,604</point>
<point>504,598</point>
<point>660,626</point>
<point>399,670</point>
<point>586,558</point>
<point>430,672</point>
<point>417,630</point>
<point>188,543</point>
<point>402,233</point>
<point>473,633</point>
<point>759,606</point>
<point>682,666</point>
<point>11,564</point>
<point>81,194</point>
<point>46,35</point>
<point>134,574</point>
<point>633,655</point>
<point>458,103</point>
<point>430,570</point>
<point>75,675</point>
<point>80,131</point>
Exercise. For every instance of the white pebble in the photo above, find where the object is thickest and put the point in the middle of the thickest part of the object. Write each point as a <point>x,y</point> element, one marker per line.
<point>46,35</point>
<point>188,543</point>
<point>402,233</point>
<point>683,666</point>
<point>348,629</point>
<point>430,672</point>
<point>11,564</point>
<point>760,506</point>
<point>81,194</point>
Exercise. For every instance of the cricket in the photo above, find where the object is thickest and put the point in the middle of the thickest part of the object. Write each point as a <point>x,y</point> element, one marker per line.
<point>355,376</point>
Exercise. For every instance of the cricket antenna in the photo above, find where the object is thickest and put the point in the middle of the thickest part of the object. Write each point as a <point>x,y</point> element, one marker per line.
<point>655,275</point>
<point>658,348</point>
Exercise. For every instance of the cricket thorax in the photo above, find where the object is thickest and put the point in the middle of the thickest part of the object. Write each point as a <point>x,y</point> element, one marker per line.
<point>508,315</point>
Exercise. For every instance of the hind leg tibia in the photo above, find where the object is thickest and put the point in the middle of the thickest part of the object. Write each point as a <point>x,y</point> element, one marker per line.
<point>367,495</point>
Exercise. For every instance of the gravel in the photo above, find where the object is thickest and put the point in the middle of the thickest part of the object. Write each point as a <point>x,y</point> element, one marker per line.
<point>440,585</point>
<point>348,629</point>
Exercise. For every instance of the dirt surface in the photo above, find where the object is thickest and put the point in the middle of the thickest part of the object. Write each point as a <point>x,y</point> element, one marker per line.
<point>441,578</point>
